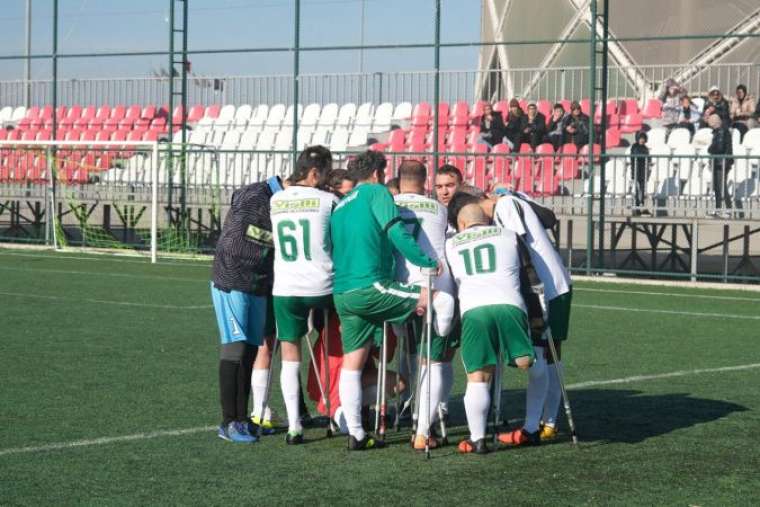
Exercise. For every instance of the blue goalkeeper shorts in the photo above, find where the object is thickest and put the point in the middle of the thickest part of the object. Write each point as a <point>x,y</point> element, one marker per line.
<point>240,316</point>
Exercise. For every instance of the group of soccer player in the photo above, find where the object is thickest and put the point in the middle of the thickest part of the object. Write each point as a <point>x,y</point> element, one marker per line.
<point>324,242</point>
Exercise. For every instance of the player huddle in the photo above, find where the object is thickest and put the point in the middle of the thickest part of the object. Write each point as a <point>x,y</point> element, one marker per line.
<point>369,258</point>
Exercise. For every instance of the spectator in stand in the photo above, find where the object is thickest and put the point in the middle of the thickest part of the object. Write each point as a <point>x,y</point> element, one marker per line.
<point>689,116</point>
<point>339,183</point>
<point>640,168</point>
<point>491,126</point>
<point>742,109</point>
<point>576,126</point>
<point>722,144</point>
<point>671,103</point>
<point>716,104</point>
<point>534,132</point>
<point>515,124</point>
<point>556,132</point>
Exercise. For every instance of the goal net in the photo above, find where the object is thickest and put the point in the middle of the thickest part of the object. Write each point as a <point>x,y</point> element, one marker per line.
<point>141,196</point>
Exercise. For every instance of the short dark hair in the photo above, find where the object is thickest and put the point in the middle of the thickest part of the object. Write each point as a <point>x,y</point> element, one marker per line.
<point>336,177</point>
<point>313,157</point>
<point>364,165</point>
<point>458,201</point>
<point>451,171</point>
<point>412,170</point>
<point>559,106</point>
<point>393,183</point>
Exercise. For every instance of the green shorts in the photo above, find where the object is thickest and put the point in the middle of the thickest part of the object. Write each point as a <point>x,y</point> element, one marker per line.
<point>439,345</point>
<point>488,329</point>
<point>363,311</point>
<point>559,315</point>
<point>292,314</point>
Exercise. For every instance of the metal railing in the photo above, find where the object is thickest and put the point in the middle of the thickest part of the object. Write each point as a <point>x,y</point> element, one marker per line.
<point>551,84</point>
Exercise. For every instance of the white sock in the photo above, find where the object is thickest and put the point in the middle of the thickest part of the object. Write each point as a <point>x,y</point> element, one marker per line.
<point>258,388</point>
<point>448,385</point>
<point>553,396</point>
<point>538,383</point>
<point>350,390</point>
<point>290,393</point>
<point>436,389</point>
<point>477,400</point>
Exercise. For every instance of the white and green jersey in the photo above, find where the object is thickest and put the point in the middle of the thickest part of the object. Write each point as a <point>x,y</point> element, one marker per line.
<point>516,215</point>
<point>426,220</point>
<point>485,263</point>
<point>301,230</point>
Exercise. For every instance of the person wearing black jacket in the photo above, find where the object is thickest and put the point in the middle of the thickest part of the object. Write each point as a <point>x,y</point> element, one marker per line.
<point>243,274</point>
<point>556,131</point>
<point>717,104</point>
<point>640,170</point>
<point>534,132</point>
<point>722,144</point>
<point>515,125</point>
<point>491,126</point>
<point>576,126</point>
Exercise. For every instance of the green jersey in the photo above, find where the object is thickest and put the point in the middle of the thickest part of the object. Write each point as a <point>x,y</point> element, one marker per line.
<point>365,227</point>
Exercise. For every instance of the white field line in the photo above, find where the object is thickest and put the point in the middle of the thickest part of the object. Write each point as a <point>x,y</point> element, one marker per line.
<point>101,273</point>
<point>671,294</point>
<point>104,301</point>
<point>681,373</point>
<point>687,284</point>
<point>200,429</point>
<point>200,262</point>
<point>668,312</point>
<point>104,440</point>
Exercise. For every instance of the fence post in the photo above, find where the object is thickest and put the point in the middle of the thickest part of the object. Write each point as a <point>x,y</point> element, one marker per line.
<point>296,70</point>
<point>591,139</point>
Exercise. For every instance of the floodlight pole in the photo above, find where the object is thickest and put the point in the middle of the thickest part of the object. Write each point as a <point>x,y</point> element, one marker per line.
<point>437,85</point>
<point>296,77</point>
<point>28,61</point>
<point>591,139</point>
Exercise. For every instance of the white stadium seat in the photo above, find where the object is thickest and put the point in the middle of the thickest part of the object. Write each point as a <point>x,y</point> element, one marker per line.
<point>382,119</point>
<point>242,116</point>
<point>339,139</point>
<point>364,116</point>
<point>288,119</point>
<point>5,114</point>
<point>679,138</point>
<point>311,115</point>
<point>329,115</point>
<point>403,112</point>
<point>18,113</point>
<point>656,137</point>
<point>346,115</point>
<point>276,115</point>
<point>260,115</point>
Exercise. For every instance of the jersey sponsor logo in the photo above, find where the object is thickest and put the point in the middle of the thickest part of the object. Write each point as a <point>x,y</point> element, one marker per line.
<point>294,205</point>
<point>259,235</point>
<point>469,236</point>
<point>425,207</point>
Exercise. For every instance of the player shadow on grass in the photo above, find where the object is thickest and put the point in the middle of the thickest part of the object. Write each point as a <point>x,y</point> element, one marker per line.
<point>617,416</point>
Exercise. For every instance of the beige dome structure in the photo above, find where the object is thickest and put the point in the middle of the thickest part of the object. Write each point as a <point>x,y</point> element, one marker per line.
<point>637,68</point>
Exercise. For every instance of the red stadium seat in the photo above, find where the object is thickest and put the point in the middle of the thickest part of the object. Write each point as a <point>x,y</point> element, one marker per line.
<point>195,114</point>
<point>460,114</point>
<point>613,137</point>
<point>75,112</point>
<point>104,112</point>
<point>460,159</point>
<point>632,123</point>
<point>586,106</point>
<point>544,107</point>
<point>525,169</point>
<point>584,153</point>
<point>88,113</point>
<point>477,109</point>
<point>629,106</point>
<point>397,141</point>
<point>60,112</point>
<point>653,109</point>
<point>119,112</point>
<point>479,166</point>
<point>501,163</point>
<point>213,111</point>
<point>501,106</point>
<point>421,115</point>
<point>523,104</point>
<point>149,112</point>
<point>548,182</point>
<point>111,124</point>
<point>127,123</point>
<point>33,112</point>
<point>443,113</point>
<point>566,104</point>
<point>569,162</point>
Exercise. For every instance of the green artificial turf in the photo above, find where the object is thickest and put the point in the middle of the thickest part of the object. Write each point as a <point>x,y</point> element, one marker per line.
<point>95,347</point>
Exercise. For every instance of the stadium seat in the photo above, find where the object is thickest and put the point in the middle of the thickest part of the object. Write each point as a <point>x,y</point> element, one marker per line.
<point>501,163</point>
<point>346,115</point>
<point>752,140</point>
<point>525,170</point>
<point>699,102</point>
<point>311,114</point>
<point>242,116</point>
<point>364,115</point>
<point>478,169</point>
<point>328,116</point>
<point>288,120</point>
<point>260,116</point>
<point>397,141</point>
<point>653,109</point>
<point>612,137</point>
<point>339,139</point>
<point>402,112</point>
<point>629,106</point>
<point>460,114</point>
<point>382,118</point>
<point>275,116</point>
<point>632,123</point>
<point>678,138</point>
<point>656,137</point>
<point>214,111</point>
<point>421,115</point>
<point>544,107</point>
<point>18,114</point>
<point>549,180</point>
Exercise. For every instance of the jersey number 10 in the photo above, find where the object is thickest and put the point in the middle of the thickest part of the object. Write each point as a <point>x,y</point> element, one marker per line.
<point>485,259</point>
<point>286,231</point>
